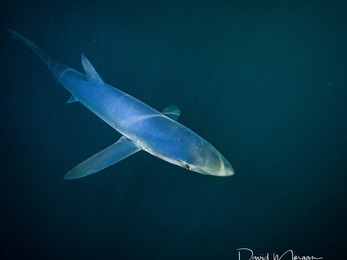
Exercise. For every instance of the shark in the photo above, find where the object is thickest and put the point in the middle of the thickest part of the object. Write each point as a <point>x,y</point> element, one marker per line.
<point>142,127</point>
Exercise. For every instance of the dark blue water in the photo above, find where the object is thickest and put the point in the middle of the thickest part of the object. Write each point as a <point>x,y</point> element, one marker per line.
<point>264,82</point>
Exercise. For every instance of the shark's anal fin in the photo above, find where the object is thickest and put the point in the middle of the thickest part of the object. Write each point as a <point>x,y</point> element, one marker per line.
<point>105,158</point>
<point>173,112</point>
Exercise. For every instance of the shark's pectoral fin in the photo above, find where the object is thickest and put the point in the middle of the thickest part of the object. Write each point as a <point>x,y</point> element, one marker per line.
<point>173,112</point>
<point>111,155</point>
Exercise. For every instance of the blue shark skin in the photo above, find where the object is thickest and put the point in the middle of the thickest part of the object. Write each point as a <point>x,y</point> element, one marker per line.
<point>142,127</point>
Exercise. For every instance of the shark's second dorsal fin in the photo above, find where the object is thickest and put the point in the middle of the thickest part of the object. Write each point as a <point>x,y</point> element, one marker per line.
<point>91,74</point>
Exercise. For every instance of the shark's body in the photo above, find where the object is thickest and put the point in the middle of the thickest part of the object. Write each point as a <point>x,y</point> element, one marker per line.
<point>142,127</point>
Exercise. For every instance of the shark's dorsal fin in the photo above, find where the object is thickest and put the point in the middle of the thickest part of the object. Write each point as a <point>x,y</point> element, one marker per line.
<point>91,74</point>
<point>173,112</point>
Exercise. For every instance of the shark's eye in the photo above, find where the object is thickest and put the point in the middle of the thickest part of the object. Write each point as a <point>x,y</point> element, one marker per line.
<point>187,166</point>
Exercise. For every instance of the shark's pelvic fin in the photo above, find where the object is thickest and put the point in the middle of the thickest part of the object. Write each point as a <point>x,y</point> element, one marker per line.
<point>91,74</point>
<point>72,99</point>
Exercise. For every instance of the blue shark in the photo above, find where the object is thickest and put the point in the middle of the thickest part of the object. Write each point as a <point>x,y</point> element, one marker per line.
<point>141,126</point>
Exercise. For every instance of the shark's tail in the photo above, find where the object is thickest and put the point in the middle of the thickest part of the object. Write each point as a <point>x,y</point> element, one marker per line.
<point>30,45</point>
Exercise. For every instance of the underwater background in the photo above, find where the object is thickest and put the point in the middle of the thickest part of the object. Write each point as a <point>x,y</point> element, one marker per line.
<point>265,82</point>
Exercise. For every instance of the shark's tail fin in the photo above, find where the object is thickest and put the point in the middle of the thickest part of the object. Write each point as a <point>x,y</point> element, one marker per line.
<point>30,45</point>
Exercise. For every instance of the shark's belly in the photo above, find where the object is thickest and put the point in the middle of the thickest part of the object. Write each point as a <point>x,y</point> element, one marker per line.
<point>145,126</point>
